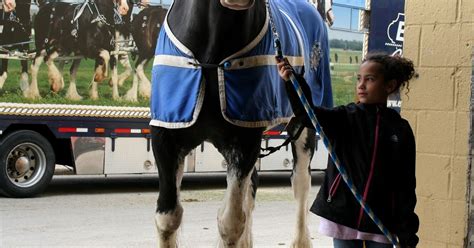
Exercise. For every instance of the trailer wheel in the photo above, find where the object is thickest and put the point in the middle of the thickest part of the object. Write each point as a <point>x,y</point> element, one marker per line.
<point>26,164</point>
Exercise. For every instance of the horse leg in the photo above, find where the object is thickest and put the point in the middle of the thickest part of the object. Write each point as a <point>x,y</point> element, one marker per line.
<point>72,90</point>
<point>303,150</point>
<point>169,155</point>
<point>32,92</point>
<point>54,75</point>
<point>249,205</point>
<point>132,93</point>
<point>24,75</point>
<point>61,69</point>
<point>235,216</point>
<point>144,83</point>
<point>3,72</point>
<point>123,59</point>
<point>101,71</point>
<point>125,62</point>
<point>114,78</point>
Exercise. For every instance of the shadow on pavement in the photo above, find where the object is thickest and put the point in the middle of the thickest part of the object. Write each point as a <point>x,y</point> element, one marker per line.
<point>73,184</point>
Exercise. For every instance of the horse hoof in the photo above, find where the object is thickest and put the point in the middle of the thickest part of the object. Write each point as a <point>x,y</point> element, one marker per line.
<point>131,99</point>
<point>73,97</point>
<point>31,95</point>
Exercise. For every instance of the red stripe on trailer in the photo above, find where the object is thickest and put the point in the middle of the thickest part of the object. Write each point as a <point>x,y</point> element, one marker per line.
<point>122,130</point>
<point>73,130</point>
<point>272,133</point>
<point>67,129</point>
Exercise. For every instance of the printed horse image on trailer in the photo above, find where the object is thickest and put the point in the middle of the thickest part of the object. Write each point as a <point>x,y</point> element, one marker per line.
<point>15,31</point>
<point>215,79</point>
<point>86,30</point>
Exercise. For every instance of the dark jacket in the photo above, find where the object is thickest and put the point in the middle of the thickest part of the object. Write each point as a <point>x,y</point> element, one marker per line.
<point>388,183</point>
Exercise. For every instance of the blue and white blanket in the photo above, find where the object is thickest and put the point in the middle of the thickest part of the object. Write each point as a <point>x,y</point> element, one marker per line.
<point>251,92</point>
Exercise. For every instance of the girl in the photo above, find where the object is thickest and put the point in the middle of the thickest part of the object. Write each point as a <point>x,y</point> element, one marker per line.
<point>377,148</point>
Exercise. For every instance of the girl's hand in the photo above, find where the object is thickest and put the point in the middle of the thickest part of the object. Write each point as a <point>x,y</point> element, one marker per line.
<point>284,68</point>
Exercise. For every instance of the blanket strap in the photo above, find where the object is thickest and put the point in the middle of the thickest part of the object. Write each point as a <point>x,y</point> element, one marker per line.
<point>210,66</point>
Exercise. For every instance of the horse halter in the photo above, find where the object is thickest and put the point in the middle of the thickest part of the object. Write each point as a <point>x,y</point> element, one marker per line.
<point>91,6</point>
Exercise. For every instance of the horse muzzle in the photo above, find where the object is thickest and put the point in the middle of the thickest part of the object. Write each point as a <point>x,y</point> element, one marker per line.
<point>123,7</point>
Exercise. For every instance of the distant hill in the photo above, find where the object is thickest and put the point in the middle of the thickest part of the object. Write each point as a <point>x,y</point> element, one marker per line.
<point>346,44</point>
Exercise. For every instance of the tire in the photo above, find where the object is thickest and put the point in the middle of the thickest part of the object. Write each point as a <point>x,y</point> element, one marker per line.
<point>26,164</point>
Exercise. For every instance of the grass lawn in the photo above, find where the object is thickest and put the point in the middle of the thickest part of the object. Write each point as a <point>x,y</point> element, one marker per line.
<point>343,79</point>
<point>11,91</point>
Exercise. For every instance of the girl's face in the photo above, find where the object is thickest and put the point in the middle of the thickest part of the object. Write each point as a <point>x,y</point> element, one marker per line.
<point>371,86</point>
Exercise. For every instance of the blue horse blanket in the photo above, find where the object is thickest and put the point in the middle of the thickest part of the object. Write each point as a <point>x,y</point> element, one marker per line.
<point>251,92</point>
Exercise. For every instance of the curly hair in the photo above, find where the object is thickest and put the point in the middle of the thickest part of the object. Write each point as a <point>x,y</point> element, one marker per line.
<point>394,68</point>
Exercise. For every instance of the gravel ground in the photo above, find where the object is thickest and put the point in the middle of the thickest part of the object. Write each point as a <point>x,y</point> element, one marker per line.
<point>78,211</point>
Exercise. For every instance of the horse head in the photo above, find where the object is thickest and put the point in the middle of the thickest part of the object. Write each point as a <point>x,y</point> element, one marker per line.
<point>122,6</point>
<point>237,4</point>
<point>9,5</point>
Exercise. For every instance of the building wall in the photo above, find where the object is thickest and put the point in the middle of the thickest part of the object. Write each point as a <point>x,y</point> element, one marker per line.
<point>439,36</point>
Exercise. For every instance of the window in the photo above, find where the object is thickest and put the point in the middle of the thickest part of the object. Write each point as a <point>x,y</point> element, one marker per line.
<point>347,14</point>
<point>355,3</point>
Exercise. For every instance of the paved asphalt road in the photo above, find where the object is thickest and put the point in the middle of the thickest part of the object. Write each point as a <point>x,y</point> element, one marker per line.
<point>80,211</point>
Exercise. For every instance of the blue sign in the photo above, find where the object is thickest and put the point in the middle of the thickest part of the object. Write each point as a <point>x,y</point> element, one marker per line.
<point>387,26</point>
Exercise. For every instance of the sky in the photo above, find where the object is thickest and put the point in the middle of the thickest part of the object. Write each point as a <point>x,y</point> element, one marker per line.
<point>359,3</point>
<point>346,18</point>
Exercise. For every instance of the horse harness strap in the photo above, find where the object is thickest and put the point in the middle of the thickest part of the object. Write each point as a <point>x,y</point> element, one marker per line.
<point>292,136</point>
<point>79,10</point>
<point>100,18</point>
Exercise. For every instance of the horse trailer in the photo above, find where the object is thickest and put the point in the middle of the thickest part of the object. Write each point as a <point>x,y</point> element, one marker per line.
<point>99,140</point>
